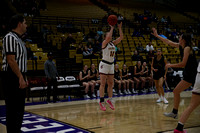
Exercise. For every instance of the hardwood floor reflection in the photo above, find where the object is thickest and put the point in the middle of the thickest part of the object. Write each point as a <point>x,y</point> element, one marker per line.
<point>133,114</point>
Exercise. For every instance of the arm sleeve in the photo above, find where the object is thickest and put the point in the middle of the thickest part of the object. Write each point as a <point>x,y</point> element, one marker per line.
<point>9,44</point>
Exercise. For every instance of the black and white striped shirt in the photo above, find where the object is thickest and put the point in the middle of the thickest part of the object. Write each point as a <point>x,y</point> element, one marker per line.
<point>13,45</point>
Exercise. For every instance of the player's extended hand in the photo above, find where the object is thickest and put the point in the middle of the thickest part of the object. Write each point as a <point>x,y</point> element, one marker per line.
<point>119,25</point>
<point>167,66</point>
<point>155,33</point>
<point>22,83</point>
<point>112,27</point>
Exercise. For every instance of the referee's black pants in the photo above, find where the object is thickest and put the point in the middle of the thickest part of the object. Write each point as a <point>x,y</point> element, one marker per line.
<point>52,82</point>
<point>15,102</point>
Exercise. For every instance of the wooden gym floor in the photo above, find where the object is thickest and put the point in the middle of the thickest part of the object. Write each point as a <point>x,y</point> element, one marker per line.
<point>133,114</point>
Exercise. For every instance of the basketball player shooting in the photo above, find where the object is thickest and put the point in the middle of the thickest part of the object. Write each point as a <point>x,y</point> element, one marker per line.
<point>106,66</point>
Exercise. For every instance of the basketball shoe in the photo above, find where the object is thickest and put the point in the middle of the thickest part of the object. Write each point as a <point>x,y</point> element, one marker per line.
<point>171,114</point>
<point>159,100</point>
<point>102,106</point>
<point>165,100</point>
<point>110,104</point>
<point>177,131</point>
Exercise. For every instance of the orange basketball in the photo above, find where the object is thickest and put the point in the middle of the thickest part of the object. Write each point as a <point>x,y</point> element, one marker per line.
<point>112,20</point>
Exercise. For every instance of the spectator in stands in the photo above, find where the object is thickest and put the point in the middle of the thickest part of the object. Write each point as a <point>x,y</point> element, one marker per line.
<point>136,17</point>
<point>70,40</point>
<point>120,18</point>
<point>80,49</point>
<point>97,47</point>
<point>90,42</point>
<point>149,47</point>
<point>86,53</point>
<point>137,33</point>
<point>64,44</point>
<point>51,74</point>
<point>98,37</point>
<point>162,35</point>
<point>174,36</point>
<point>138,75</point>
<point>44,32</point>
<point>194,45</point>
<point>140,48</point>
<point>90,49</point>
<point>125,78</point>
<point>168,20</point>
<point>147,75</point>
<point>83,77</point>
<point>92,33</point>
<point>154,18</point>
<point>136,56</point>
<point>163,19</point>
<point>118,80</point>
<point>100,32</point>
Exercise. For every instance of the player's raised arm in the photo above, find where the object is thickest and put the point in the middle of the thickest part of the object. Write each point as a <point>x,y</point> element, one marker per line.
<point>118,40</point>
<point>108,37</point>
<point>171,43</point>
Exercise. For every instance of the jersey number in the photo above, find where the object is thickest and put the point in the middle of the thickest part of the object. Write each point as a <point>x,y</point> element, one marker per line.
<point>112,53</point>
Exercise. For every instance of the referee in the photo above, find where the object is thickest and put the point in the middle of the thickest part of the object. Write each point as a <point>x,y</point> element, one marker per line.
<point>14,69</point>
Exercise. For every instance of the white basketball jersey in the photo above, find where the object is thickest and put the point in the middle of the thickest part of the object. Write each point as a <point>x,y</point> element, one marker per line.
<point>198,68</point>
<point>109,52</point>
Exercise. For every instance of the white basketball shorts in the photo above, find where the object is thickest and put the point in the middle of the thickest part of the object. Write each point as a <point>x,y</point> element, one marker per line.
<point>196,89</point>
<point>107,69</point>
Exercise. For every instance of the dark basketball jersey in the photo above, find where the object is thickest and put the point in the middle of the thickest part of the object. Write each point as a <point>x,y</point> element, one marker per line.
<point>83,75</point>
<point>117,74</point>
<point>124,73</point>
<point>93,73</point>
<point>139,69</point>
<point>190,69</point>
<point>160,65</point>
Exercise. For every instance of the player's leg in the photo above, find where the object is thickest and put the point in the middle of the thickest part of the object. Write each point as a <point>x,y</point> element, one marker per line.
<point>182,85</point>
<point>118,82</point>
<point>160,82</point>
<point>127,87</point>
<point>92,85</point>
<point>194,103</point>
<point>132,86</point>
<point>124,86</point>
<point>110,82</point>
<point>158,91</point>
<point>160,86</point>
<point>103,78</point>
<point>143,81</point>
<point>86,85</point>
<point>137,82</point>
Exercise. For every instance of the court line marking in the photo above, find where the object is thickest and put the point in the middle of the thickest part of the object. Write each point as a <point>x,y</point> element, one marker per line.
<point>94,128</point>
<point>61,122</point>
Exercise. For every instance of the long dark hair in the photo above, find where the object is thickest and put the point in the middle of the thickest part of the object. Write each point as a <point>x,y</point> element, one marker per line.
<point>188,42</point>
<point>188,39</point>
